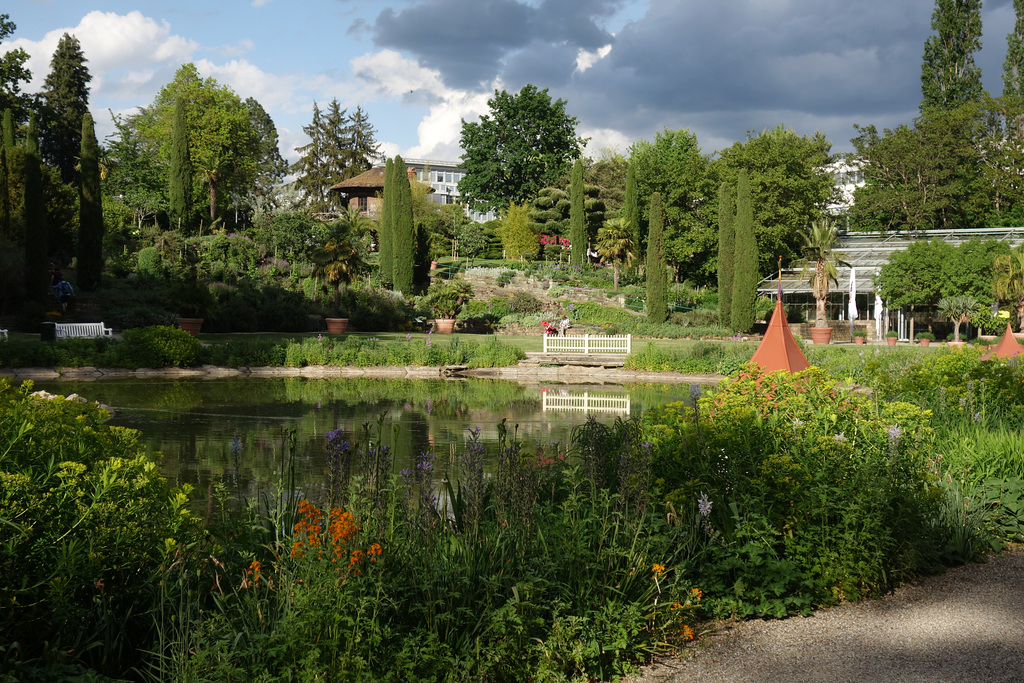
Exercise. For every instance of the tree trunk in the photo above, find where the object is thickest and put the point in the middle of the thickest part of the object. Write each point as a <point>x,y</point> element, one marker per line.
<point>615,276</point>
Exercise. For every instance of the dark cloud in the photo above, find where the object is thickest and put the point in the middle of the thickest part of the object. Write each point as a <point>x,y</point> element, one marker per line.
<point>718,68</point>
<point>470,41</point>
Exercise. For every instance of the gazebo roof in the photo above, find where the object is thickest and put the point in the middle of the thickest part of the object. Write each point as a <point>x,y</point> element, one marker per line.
<point>367,180</point>
<point>778,350</point>
<point>1006,347</point>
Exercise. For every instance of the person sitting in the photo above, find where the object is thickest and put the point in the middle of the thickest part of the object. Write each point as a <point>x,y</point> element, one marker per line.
<point>63,292</point>
<point>563,326</point>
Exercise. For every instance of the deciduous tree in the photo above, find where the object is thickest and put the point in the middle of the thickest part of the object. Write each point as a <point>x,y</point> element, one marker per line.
<point>180,182</point>
<point>1013,65</point>
<point>12,74</point>
<point>949,76</point>
<point>524,144</point>
<point>517,237</point>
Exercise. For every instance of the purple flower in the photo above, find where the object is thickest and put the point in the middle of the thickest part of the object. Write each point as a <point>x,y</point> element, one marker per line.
<point>704,505</point>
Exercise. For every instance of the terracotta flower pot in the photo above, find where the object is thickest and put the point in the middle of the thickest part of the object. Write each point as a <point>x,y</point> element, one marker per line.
<point>444,325</point>
<point>191,325</point>
<point>891,341</point>
<point>859,340</point>
<point>821,335</point>
<point>336,325</point>
<point>925,342</point>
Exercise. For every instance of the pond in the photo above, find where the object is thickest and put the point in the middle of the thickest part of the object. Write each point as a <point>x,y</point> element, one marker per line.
<point>238,431</point>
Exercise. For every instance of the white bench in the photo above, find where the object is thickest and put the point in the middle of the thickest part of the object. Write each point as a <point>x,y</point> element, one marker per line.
<point>3,333</point>
<point>68,330</point>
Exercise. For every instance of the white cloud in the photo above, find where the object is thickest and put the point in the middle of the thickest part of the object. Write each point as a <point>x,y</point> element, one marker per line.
<point>586,59</point>
<point>604,138</point>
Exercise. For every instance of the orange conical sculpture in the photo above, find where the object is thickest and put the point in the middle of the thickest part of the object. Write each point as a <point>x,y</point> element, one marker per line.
<point>1006,347</point>
<point>778,349</point>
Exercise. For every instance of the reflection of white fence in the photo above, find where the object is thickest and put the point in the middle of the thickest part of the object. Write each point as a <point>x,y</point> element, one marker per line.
<point>618,343</point>
<point>585,402</point>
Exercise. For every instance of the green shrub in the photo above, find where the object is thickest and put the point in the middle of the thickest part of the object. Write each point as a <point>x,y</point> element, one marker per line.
<point>159,347</point>
<point>88,520</point>
<point>525,303</point>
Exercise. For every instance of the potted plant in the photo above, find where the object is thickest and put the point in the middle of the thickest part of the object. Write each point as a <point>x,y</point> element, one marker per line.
<point>958,309</point>
<point>860,336</point>
<point>339,261</point>
<point>891,337</point>
<point>925,338</point>
<point>446,299</point>
<point>192,301</point>
<point>821,268</point>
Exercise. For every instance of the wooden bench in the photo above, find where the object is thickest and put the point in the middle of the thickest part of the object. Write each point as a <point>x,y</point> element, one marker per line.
<point>68,330</point>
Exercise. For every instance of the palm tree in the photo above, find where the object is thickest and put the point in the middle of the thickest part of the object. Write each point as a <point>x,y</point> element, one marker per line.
<point>1009,281</point>
<point>615,243</point>
<point>819,256</point>
<point>340,260</point>
<point>958,309</point>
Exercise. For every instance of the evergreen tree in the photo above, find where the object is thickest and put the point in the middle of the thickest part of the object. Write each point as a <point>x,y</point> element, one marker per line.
<point>949,77</point>
<point>403,244</point>
<point>745,278</point>
<point>8,132</point>
<point>180,183</point>
<point>36,248</point>
<point>341,146</point>
<point>657,268</point>
<point>631,211</point>
<point>517,236</point>
<point>6,210</point>
<point>65,101</point>
<point>1013,65</point>
<point>387,223</point>
<point>577,228</point>
<point>90,211</point>
<point>549,214</point>
<point>270,166</point>
<point>726,252</point>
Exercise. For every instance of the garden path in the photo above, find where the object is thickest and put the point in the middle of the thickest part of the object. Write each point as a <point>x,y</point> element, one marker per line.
<point>965,625</point>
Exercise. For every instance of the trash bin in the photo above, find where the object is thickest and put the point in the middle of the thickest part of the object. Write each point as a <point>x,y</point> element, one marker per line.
<point>48,332</point>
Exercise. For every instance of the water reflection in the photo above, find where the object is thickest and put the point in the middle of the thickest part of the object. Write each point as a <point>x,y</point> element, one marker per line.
<point>237,432</point>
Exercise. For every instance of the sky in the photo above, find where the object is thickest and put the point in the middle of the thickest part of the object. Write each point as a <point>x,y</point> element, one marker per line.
<point>625,68</point>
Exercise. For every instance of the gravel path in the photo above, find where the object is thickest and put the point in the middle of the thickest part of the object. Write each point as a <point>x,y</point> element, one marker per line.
<point>965,625</point>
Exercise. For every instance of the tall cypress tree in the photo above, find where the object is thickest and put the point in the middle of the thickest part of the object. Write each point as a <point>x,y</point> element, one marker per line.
<point>8,134</point>
<point>745,278</point>
<point>36,271</point>
<point>657,276</point>
<point>6,142</point>
<point>1013,65</point>
<point>387,224</point>
<point>180,183</point>
<point>726,252</point>
<point>90,211</point>
<point>403,245</point>
<point>577,220</point>
<point>65,100</point>
<point>631,212</point>
<point>949,76</point>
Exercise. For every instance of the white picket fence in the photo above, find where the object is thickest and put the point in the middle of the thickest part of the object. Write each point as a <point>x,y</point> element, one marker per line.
<point>584,402</point>
<point>585,343</point>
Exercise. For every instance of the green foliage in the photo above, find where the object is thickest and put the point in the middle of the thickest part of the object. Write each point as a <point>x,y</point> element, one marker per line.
<point>179,191</point>
<point>34,220</point>
<point>447,297</point>
<point>657,268</point>
<point>90,211</point>
<point>949,76</point>
<point>821,263</point>
<point>702,358</point>
<point>403,237</point>
<point>386,237</point>
<point>525,302</point>
<point>745,262</point>
<point>65,102</point>
<point>577,227</point>
<point>925,177</point>
<point>162,347</point>
<point>523,144</point>
<point>517,236</point>
<point>88,521</point>
<point>726,249</point>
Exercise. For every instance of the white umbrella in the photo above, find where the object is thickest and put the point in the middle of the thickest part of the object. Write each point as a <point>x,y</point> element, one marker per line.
<point>852,306</point>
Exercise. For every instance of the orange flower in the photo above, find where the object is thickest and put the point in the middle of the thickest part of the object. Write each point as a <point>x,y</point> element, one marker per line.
<point>658,570</point>
<point>254,571</point>
<point>696,593</point>
<point>687,632</point>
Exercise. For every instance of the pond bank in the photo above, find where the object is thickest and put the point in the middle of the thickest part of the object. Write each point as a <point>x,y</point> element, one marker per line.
<point>519,373</point>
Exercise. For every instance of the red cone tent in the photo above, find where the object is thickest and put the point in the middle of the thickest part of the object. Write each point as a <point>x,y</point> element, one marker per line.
<point>778,349</point>
<point>1006,347</point>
